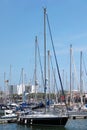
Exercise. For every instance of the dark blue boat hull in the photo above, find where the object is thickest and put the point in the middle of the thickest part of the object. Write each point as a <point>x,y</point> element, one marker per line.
<point>52,121</point>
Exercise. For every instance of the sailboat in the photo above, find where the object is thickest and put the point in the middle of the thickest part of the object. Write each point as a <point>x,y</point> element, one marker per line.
<point>44,117</point>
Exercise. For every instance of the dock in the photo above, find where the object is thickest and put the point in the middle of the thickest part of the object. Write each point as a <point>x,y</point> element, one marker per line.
<point>78,116</point>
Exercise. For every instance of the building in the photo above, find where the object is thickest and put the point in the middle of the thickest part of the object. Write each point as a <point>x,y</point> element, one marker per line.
<point>19,89</point>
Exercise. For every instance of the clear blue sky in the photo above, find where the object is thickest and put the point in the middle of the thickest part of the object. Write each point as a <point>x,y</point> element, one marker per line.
<point>22,20</point>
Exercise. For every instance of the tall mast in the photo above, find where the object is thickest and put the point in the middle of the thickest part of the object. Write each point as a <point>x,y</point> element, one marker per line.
<point>54,84</point>
<point>23,84</point>
<point>49,72</point>
<point>35,67</point>
<point>70,73</point>
<point>81,83</point>
<point>10,83</point>
<point>5,91</point>
<point>45,55</point>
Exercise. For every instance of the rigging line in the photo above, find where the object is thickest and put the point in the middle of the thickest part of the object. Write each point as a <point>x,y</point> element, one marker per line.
<point>75,71</point>
<point>54,75</point>
<point>55,56</point>
<point>58,93</point>
<point>40,64</point>
<point>56,59</point>
<point>84,65</point>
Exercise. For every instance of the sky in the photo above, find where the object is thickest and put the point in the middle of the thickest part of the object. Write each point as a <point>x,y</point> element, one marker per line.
<point>22,20</point>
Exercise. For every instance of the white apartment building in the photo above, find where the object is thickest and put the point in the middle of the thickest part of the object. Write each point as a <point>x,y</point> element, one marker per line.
<point>20,89</point>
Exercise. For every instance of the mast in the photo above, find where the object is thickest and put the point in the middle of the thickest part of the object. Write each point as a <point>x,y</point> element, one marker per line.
<point>5,92</point>
<point>45,55</point>
<point>49,73</point>
<point>53,74</point>
<point>22,84</point>
<point>70,73</point>
<point>10,84</point>
<point>40,64</point>
<point>35,67</point>
<point>81,82</point>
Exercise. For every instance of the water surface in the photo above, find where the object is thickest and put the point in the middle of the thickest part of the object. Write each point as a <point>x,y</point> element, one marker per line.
<point>78,124</point>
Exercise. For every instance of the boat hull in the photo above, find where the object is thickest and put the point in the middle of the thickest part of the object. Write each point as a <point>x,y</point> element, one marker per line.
<point>50,121</point>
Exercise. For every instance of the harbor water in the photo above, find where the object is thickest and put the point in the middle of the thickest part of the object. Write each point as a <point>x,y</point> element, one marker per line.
<point>78,124</point>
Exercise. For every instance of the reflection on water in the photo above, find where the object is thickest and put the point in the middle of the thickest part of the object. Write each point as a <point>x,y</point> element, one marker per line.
<point>25,127</point>
<point>48,128</point>
<point>41,128</point>
<point>78,124</point>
